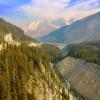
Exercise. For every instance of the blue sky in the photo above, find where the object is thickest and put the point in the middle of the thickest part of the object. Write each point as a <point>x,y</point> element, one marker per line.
<point>21,11</point>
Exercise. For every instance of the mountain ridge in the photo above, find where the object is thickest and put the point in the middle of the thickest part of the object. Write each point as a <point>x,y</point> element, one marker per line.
<point>37,28</point>
<point>15,32</point>
<point>86,29</point>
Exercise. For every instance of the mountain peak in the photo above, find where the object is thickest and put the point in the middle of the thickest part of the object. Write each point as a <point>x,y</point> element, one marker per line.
<point>39,27</point>
<point>86,29</point>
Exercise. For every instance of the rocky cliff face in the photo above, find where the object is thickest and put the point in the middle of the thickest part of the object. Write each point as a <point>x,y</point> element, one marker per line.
<point>48,86</point>
<point>83,76</point>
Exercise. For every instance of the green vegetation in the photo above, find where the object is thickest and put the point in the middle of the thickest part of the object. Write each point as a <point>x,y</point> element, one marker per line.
<point>90,51</point>
<point>16,66</point>
<point>17,33</point>
<point>25,74</point>
<point>51,51</point>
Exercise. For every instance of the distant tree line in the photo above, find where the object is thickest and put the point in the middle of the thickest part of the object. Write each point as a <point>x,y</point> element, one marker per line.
<point>88,52</point>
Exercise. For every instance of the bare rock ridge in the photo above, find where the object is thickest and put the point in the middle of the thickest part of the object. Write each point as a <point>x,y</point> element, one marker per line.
<point>83,76</point>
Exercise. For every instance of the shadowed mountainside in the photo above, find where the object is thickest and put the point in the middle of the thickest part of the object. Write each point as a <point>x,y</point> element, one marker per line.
<point>86,29</point>
<point>16,33</point>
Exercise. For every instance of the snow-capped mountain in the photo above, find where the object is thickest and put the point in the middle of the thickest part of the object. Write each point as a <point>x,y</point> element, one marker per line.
<point>38,28</point>
<point>86,29</point>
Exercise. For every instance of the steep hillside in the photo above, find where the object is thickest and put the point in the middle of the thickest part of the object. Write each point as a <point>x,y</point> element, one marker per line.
<point>9,32</point>
<point>26,74</point>
<point>51,51</point>
<point>86,29</point>
<point>83,76</point>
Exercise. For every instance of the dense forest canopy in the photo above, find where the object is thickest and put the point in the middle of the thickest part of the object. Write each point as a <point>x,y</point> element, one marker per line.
<point>90,51</point>
<point>16,66</point>
<point>26,74</point>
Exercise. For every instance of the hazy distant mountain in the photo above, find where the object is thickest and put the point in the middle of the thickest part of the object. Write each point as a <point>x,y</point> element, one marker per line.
<point>83,30</point>
<point>38,28</point>
<point>11,33</point>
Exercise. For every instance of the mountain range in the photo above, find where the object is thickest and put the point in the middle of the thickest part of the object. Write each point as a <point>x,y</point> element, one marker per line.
<point>26,72</point>
<point>37,28</point>
<point>86,29</point>
<point>45,72</point>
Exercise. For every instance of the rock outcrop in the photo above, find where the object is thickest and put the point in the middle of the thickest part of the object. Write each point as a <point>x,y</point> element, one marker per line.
<point>82,75</point>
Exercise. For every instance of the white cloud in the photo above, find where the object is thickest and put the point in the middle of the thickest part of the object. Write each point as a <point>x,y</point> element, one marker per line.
<point>43,8</point>
<point>56,8</point>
